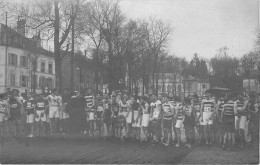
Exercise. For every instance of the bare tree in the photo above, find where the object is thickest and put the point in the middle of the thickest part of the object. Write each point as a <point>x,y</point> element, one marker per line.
<point>54,18</point>
<point>157,35</point>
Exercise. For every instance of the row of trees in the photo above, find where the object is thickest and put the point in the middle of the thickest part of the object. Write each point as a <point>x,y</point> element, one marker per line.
<point>122,47</point>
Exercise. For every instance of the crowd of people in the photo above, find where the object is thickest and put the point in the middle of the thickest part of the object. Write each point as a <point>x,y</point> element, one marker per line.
<point>152,119</point>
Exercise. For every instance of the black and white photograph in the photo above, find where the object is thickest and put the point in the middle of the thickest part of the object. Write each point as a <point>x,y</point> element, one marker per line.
<point>129,81</point>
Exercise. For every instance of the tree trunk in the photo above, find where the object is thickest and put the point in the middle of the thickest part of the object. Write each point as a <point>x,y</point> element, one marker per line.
<point>72,54</point>
<point>110,79</point>
<point>57,47</point>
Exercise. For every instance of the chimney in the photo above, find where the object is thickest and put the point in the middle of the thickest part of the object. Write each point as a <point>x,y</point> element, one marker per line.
<point>21,26</point>
<point>37,40</point>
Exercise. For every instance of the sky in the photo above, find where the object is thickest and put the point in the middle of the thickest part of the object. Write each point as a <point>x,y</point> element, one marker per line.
<point>202,26</point>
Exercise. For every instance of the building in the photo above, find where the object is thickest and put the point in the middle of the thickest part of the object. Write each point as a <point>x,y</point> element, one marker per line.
<point>251,85</point>
<point>195,86</point>
<point>84,73</point>
<point>24,64</point>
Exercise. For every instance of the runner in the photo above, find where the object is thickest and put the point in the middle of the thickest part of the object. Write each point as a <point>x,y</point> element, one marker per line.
<point>155,118</point>
<point>4,113</point>
<point>178,118</point>
<point>168,113</point>
<point>123,110</point>
<point>189,123</point>
<point>207,110</point>
<point>99,111</point>
<point>41,116</point>
<point>53,101</point>
<point>90,110</point>
<point>107,115</point>
<point>15,113</point>
<point>115,110</point>
<point>241,119</point>
<point>136,110</point>
<point>228,120</point>
<point>145,116</point>
<point>29,107</point>
<point>129,116</point>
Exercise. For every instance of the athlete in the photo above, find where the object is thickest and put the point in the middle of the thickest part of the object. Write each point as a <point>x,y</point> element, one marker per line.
<point>29,107</point>
<point>189,123</point>
<point>4,113</point>
<point>90,110</point>
<point>167,113</point>
<point>178,118</point>
<point>228,120</point>
<point>15,112</point>
<point>155,118</point>
<point>40,115</point>
<point>207,110</point>
<point>129,116</point>
<point>241,119</point>
<point>99,111</point>
<point>114,118</point>
<point>123,109</point>
<point>145,116</point>
<point>53,101</point>
<point>136,110</point>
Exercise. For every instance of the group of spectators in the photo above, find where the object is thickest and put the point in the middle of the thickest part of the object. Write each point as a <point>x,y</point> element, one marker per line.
<point>227,121</point>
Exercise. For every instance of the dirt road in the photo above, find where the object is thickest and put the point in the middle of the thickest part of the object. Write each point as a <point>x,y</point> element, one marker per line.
<point>80,149</point>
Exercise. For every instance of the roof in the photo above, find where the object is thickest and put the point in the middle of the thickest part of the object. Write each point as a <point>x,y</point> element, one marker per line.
<point>23,42</point>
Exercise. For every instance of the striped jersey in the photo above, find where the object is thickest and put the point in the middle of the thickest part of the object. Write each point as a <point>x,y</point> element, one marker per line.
<point>89,100</point>
<point>155,108</point>
<point>179,108</point>
<point>240,105</point>
<point>208,105</point>
<point>167,110</point>
<point>123,107</point>
<point>229,108</point>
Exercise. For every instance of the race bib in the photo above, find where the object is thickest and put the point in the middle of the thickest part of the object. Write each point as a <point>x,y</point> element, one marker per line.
<point>100,108</point>
<point>14,105</point>
<point>207,109</point>
<point>29,104</point>
<point>41,105</point>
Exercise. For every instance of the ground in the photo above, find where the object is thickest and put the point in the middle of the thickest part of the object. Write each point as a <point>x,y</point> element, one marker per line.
<point>81,149</point>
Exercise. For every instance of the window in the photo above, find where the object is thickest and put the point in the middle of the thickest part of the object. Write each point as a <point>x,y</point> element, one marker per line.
<point>12,59</point>
<point>41,82</point>
<point>50,68</point>
<point>49,83</point>
<point>12,79</point>
<point>42,66</point>
<point>23,61</point>
<point>24,81</point>
<point>203,85</point>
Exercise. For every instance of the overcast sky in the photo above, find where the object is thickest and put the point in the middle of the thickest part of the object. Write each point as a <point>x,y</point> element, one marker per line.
<point>202,26</point>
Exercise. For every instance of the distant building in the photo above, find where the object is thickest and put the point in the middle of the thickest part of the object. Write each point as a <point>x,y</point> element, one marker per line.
<point>24,64</point>
<point>84,73</point>
<point>195,86</point>
<point>251,85</point>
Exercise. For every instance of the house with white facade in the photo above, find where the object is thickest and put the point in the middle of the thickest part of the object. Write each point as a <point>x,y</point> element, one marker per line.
<point>24,64</point>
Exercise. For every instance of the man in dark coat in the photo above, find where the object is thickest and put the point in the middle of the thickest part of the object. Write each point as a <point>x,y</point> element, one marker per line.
<point>75,109</point>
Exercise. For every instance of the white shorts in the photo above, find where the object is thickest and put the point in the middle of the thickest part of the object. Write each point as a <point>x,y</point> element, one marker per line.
<point>129,118</point>
<point>41,116</point>
<point>179,123</point>
<point>91,116</point>
<point>240,123</point>
<point>138,123</point>
<point>54,112</point>
<point>145,120</point>
<point>206,118</point>
<point>30,118</point>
